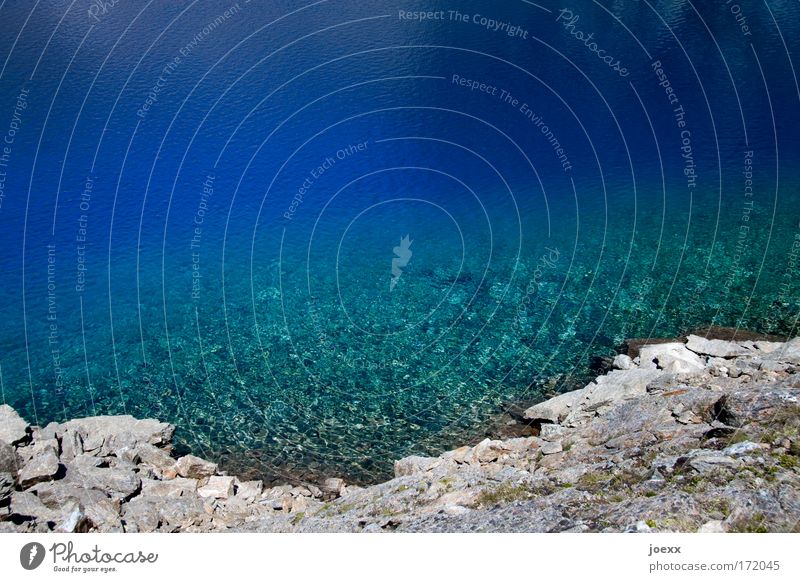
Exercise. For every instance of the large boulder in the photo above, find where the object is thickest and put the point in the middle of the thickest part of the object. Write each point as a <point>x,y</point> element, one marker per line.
<point>43,467</point>
<point>27,506</point>
<point>195,467</point>
<point>249,491</point>
<point>673,358</point>
<point>178,487</point>
<point>119,483</point>
<point>9,461</point>
<point>218,487</point>
<point>715,347</point>
<point>13,428</point>
<point>111,432</point>
<point>413,465</point>
<point>157,459</point>
<point>169,514</point>
<point>556,409</point>
<point>615,387</point>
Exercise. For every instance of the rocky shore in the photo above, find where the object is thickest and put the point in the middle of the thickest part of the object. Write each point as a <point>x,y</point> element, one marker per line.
<point>690,435</point>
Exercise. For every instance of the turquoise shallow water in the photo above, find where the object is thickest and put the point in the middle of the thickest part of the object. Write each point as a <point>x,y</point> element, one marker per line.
<point>226,251</point>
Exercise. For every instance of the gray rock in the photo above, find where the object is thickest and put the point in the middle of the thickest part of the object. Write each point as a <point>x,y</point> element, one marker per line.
<point>767,347</point>
<point>551,432</point>
<point>615,387</point>
<point>37,448</point>
<point>26,505</point>
<point>713,526</point>
<point>742,448</point>
<point>673,358</point>
<point>72,443</point>
<point>707,461</point>
<point>13,428</point>
<point>104,516</point>
<point>9,461</point>
<point>251,490</point>
<point>551,448</point>
<point>164,465</point>
<point>101,511</point>
<point>74,520</point>
<point>333,486</point>
<point>623,362</point>
<point>486,451</point>
<point>218,487</point>
<point>170,514</point>
<point>178,487</point>
<point>715,347</point>
<point>406,466</point>
<point>40,468</point>
<point>195,467</point>
<point>117,482</point>
<point>6,486</point>
<point>555,409</point>
<point>100,429</point>
<point>789,352</point>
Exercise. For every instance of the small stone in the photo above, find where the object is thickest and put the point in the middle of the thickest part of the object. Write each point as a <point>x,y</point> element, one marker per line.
<point>742,448</point>
<point>455,510</point>
<point>195,467</point>
<point>13,428</point>
<point>316,492</point>
<point>218,487</point>
<point>250,490</point>
<point>299,504</point>
<point>705,462</point>
<point>713,526</point>
<point>551,432</point>
<point>72,443</point>
<point>488,451</point>
<point>41,468</point>
<point>623,362</point>
<point>458,455</point>
<point>655,482</point>
<point>75,521</point>
<point>333,485</point>
<point>688,417</point>
<point>551,448</point>
<point>406,466</point>
<point>158,459</point>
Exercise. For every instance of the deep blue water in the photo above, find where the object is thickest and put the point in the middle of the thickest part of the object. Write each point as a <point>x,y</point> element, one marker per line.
<point>201,202</point>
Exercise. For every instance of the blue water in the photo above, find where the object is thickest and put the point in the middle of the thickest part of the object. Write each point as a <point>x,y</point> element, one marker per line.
<point>203,208</point>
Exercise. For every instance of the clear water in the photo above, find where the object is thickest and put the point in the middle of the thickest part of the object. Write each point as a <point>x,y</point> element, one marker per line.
<point>200,213</point>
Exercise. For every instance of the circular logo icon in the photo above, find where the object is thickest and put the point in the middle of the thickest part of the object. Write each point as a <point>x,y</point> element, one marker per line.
<point>31,555</point>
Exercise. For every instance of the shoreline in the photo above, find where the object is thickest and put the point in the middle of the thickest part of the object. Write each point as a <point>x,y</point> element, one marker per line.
<point>670,432</point>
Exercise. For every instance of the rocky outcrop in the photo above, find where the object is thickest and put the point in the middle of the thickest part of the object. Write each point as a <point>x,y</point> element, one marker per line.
<point>694,435</point>
<point>118,474</point>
